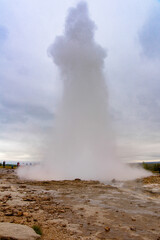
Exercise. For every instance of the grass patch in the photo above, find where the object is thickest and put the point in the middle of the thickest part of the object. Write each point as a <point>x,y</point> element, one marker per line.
<point>154,167</point>
<point>37,229</point>
<point>8,167</point>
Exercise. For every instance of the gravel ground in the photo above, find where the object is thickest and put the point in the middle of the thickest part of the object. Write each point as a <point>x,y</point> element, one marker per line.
<point>86,210</point>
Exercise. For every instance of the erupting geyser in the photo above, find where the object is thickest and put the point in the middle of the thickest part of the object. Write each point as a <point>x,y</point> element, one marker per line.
<point>81,144</point>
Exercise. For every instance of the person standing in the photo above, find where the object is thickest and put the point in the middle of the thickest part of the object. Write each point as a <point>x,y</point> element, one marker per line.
<point>4,164</point>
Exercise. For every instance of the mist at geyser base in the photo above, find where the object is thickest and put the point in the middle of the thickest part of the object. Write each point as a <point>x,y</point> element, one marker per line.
<point>81,143</point>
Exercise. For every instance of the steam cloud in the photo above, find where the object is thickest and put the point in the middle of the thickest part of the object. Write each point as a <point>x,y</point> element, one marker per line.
<point>81,144</point>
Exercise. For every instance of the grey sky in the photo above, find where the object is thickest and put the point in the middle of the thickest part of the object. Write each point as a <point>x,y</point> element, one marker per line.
<point>30,86</point>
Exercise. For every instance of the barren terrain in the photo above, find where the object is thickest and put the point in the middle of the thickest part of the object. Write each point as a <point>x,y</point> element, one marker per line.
<point>86,210</point>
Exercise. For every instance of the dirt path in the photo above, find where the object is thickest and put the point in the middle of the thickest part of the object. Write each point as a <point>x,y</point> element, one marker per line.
<point>86,210</point>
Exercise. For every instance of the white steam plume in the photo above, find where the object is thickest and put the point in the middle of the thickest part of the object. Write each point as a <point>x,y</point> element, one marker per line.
<point>81,145</point>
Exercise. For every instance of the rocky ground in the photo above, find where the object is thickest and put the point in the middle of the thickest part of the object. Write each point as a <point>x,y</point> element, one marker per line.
<point>86,210</point>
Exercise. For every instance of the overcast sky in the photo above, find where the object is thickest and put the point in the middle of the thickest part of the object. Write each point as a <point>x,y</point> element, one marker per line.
<point>30,86</point>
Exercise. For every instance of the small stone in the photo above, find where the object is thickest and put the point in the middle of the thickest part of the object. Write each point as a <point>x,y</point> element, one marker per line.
<point>107,229</point>
<point>132,228</point>
<point>25,214</point>
<point>28,220</point>
<point>62,211</point>
<point>9,213</point>
<point>20,213</point>
<point>22,186</point>
<point>77,179</point>
<point>81,208</point>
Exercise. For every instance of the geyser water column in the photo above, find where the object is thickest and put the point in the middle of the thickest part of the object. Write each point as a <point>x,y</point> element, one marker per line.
<point>81,143</point>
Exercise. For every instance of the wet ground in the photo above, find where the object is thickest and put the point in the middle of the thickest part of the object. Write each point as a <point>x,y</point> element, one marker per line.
<point>86,210</point>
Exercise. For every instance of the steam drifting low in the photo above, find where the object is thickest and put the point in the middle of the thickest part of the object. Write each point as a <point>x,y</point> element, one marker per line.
<point>81,143</point>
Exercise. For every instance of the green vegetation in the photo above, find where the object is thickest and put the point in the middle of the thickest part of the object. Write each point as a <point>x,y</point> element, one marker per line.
<point>154,167</point>
<point>9,166</point>
<point>37,229</point>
